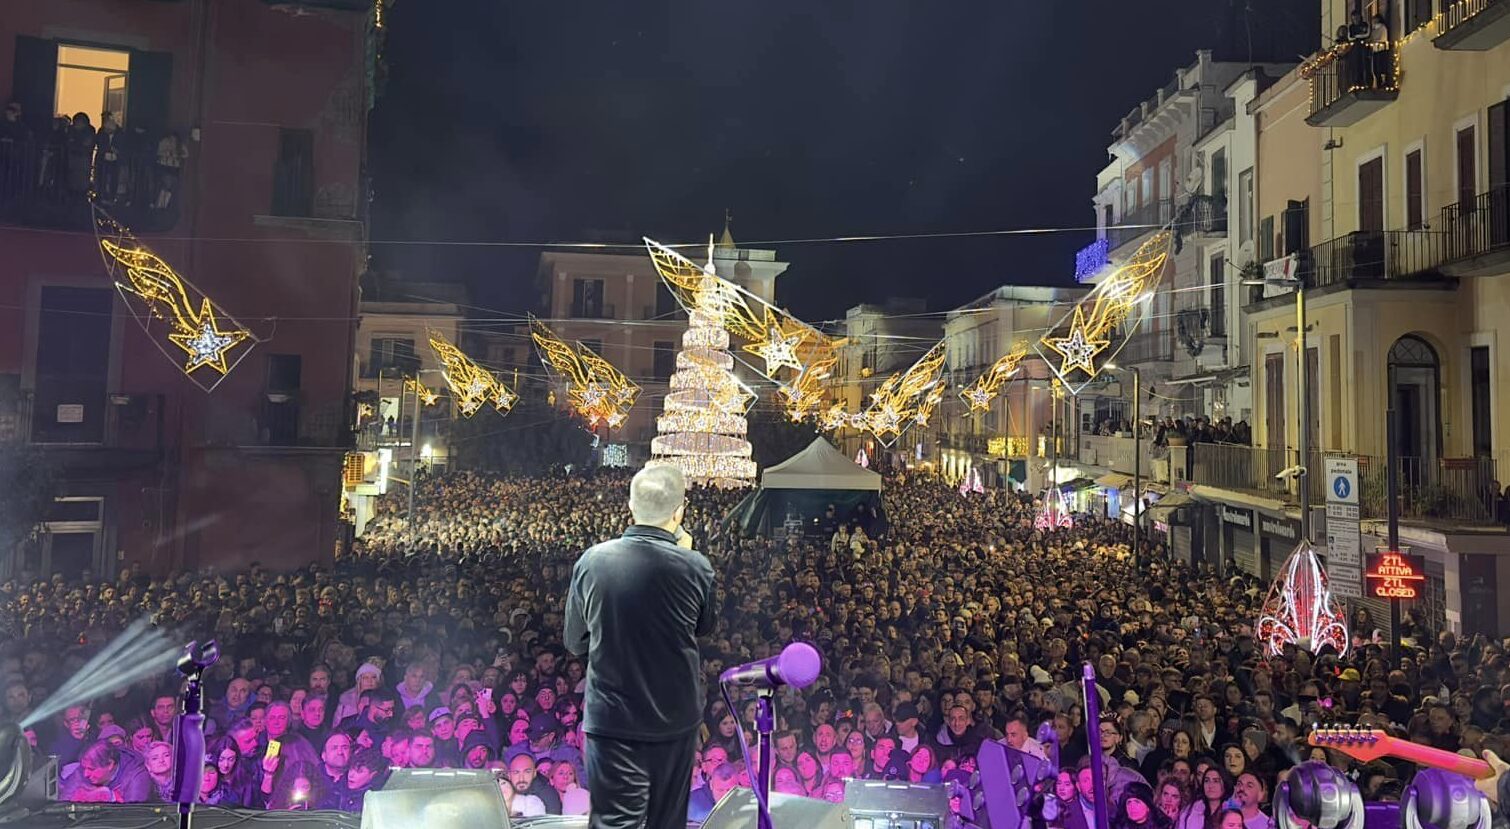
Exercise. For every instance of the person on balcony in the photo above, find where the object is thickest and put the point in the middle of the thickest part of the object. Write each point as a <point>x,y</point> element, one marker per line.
<point>79,155</point>
<point>1380,56</point>
<point>15,137</point>
<point>107,159</point>
<point>171,153</point>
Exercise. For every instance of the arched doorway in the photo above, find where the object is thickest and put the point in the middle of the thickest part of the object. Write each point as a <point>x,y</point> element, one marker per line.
<point>1415,380</point>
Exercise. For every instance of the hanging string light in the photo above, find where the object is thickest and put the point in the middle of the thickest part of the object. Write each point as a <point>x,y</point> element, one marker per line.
<point>211,340</point>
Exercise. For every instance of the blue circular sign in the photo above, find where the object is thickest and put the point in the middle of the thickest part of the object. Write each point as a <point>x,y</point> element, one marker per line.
<point>1341,486</point>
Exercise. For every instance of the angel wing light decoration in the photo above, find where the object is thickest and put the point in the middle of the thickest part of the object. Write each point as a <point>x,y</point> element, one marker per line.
<point>596,390</point>
<point>978,395</point>
<point>907,398</point>
<point>471,385</point>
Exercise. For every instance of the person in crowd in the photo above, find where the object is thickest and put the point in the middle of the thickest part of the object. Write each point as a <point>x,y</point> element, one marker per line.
<point>106,774</point>
<point>159,764</point>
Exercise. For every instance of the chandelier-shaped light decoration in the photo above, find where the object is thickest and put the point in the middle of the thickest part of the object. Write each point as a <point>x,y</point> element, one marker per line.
<point>168,307</point>
<point>1101,324</point>
<point>472,386</point>
<point>1300,609</point>
<point>908,398</point>
<point>796,356</point>
<point>596,390</point>
<point>862,460</point>
<point>703,429</point>
<point>978,395</point>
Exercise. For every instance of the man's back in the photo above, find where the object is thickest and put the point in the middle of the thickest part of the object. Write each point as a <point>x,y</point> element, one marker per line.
<point>636,607</point>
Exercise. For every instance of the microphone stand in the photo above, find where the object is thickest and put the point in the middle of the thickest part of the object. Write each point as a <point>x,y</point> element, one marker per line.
<point>1093,740</point>
<point>188,748</point>
<point>765,724</point>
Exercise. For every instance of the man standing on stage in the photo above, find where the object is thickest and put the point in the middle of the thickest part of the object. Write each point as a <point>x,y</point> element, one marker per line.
<point>636,607</point>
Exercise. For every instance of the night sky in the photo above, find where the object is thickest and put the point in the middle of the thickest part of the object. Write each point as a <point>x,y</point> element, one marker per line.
<point>594,121</point>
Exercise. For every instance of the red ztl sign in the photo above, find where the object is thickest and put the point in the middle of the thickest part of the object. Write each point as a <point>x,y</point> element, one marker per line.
<point>1395,575</point>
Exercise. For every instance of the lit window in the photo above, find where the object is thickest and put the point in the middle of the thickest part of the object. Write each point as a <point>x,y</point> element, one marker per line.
<point>92,81</point>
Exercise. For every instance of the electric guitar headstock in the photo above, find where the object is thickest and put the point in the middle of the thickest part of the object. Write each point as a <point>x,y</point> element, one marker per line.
<point>1368,744</point>
<point>1361,744</point>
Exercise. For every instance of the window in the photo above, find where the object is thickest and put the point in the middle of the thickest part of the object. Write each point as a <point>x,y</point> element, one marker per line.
<point>666,306</point>
<point>1245,206</point>
<point>1467,167</point>
<point>1145,187</point>
<point>1499,150</point>
<point>73,358</point>
<point>1166,184</point>
<point>1371,195</point>
<point>1218,281</point>
<point>587,298</point>
<point>280,409</point>
<point>294,174</point>
<point>1415,206</point>
<point>1108,217</point>
<point>392,356</point>
<point>1297,226</point>
<point>665,360</point>
<point>1274,399</point>
<point>1131,192</point>
<point>1483,416</point>
<point>50,78</point>
<point>1313,398</point>
<point>92,81</point>
<point>1218,186</point>
<point>1266,239</point>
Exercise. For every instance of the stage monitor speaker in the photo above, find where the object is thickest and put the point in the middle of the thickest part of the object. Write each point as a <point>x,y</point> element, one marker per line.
<point>738,810</point>
<point>436,799</point>
<point>882,804</point>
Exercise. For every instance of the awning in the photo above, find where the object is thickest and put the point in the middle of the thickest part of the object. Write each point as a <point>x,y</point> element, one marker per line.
<point>1169,503</point>
<point>1154,488</point>
<point>1077,484</point>
<point>1114,480</point>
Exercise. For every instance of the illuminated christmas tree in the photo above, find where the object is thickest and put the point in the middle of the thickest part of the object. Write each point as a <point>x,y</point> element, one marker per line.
<point>704,427</point>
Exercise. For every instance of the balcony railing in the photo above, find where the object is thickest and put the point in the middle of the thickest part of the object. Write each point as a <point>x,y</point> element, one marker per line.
<point>1477,234</point>
<point>1374,255</point>
<point>1117,453</point>
<point>1350,82</point>
<point>46,184</point>
<point>1473,25</point>
<point>1453,489</point>
<point>1204,215</point>
<point>1140,221</point>
<point>1148,347</point>
<point>63,419</point>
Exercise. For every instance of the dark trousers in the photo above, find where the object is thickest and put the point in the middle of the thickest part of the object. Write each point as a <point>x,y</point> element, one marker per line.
<point>636,783</point>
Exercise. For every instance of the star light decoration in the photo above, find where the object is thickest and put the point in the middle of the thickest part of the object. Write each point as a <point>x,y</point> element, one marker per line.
<point>798,357</point>
<point>596,390</point>
<point>978,395</point>
<point>1102,323</point>
<point>211,340</point>
<point>908,398</point>
<point>1300,609</point>
<point>427,396</point>
<point>471,385</point>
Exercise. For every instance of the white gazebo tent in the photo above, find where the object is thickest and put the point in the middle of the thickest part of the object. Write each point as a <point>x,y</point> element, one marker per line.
<point>803,486</point>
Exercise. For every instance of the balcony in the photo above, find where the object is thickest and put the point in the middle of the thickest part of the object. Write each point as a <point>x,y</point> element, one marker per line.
<point>36,189</point>
<point>1203,216</point>
<point>99,436</point>
<point>1117,453</point>
<point>1140,222</point>
<point>1473,25</point>
<point>1373,257</point>
<point>1349,83</point>
<point>594,311</point>
<point>1477,235</point>
<point>1147,347</point>
<point>1457,490</point>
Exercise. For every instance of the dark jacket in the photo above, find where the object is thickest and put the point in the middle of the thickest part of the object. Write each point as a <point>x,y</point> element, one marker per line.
<point>636,607</point>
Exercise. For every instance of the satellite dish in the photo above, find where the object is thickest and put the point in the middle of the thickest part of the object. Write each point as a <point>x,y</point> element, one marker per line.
<point>1194,178</point>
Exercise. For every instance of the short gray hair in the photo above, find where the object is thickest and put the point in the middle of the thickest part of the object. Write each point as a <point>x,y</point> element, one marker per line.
<point>655,493</point>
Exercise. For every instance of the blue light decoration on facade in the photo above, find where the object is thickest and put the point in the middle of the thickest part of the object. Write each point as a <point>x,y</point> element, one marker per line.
<point>1090,259</point>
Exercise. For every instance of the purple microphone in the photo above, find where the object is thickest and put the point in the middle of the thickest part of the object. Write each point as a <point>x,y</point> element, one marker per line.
<point>798,665</point>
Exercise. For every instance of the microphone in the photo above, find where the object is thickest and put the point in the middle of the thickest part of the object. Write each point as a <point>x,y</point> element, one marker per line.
<point>797,666</point>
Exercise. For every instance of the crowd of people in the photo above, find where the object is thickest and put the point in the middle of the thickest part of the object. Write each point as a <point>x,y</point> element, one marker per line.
<point>122,165</point>
<point>950,623</point>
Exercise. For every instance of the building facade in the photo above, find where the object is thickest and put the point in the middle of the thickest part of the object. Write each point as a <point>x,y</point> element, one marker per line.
<point>1382,181</point>
<point>879,341</point>
<point>238,120</point>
